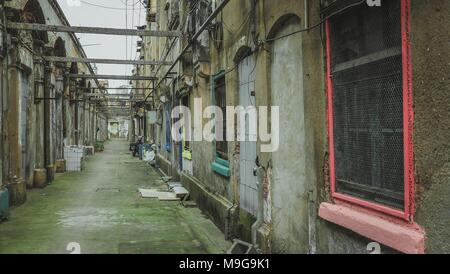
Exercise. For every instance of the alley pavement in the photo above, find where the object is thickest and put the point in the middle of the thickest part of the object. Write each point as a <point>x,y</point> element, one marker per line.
<point>100,210</point>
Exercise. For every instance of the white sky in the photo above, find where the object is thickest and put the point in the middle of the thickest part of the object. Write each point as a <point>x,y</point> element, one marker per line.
<point>114,15</point>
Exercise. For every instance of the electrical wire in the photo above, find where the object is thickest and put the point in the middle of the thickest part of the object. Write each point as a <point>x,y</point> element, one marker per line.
<point>134,4</point>
<point>319,23</point>
<point>102,6</point>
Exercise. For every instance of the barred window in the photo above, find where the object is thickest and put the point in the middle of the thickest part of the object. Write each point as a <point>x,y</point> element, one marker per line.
<point>365,45</point>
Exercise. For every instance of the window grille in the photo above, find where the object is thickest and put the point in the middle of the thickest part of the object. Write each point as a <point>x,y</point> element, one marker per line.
<point>366,72</point>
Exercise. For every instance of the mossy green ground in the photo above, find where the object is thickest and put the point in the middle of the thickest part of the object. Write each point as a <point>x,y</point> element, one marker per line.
<point>101,210</point>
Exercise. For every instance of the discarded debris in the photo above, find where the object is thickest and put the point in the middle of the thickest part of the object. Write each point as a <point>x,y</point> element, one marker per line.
<point>171,185</point>
<point>180,192</point>
<point>158,194</point>
<point>149,193</point>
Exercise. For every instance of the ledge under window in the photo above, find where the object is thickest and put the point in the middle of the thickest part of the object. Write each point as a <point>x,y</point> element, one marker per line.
<point>401,236</point>
<point>221,167</point>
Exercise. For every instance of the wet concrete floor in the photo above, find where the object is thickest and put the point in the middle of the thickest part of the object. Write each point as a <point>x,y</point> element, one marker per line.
<point>100,209</point>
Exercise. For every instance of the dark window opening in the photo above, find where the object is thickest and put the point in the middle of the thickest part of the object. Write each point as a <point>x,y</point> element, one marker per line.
<point>221,122</point>
<point>187,143</point>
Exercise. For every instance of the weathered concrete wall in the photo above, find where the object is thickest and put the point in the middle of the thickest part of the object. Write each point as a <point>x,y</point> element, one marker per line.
<point>431,86</point>
<point>33,129</point>
<point>270,17</point>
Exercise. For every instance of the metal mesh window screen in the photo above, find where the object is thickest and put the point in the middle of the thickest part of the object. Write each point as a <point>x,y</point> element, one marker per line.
<point>366,69</point>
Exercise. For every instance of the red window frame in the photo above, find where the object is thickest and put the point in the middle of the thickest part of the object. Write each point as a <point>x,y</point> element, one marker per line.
<point>408,124</point>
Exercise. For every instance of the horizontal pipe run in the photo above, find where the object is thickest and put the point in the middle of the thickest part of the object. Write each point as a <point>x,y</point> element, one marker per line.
<point>112,77</point>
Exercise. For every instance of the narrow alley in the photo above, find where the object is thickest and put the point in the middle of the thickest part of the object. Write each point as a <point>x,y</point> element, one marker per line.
<point>102,210</point>
<point>224,127</point>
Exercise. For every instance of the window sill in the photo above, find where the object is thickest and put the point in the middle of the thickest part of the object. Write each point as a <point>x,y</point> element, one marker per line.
<point>401,236</point>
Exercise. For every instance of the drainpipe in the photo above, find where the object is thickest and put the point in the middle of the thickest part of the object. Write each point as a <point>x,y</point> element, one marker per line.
<point>259,172</point>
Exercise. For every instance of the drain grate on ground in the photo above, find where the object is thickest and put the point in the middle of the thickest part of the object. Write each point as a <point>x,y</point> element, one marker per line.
<point>108,189</point>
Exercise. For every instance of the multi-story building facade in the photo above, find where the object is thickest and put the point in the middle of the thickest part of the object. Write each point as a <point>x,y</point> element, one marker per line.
<point>42,109</point>
<point>363,101</point>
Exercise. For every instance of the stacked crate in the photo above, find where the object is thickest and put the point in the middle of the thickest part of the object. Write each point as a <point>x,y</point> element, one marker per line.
<point>74,156</point>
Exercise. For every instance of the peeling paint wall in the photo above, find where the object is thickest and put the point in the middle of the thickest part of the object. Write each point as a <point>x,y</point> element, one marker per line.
<point>224,53</point>
<point>431,86</point>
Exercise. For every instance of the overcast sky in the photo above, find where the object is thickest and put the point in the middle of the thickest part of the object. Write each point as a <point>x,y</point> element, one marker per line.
<point>113,14</point>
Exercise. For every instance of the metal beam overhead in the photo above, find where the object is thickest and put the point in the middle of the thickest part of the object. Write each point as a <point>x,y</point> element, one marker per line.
<point>92,30</point>
<point>104,61</point>
<point>130,88</point>
<point>107,94</point>
<point>112,77</point>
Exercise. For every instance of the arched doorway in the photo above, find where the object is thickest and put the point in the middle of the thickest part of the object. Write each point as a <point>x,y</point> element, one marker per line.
<point>291,174</point>
<point>32,13</point>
